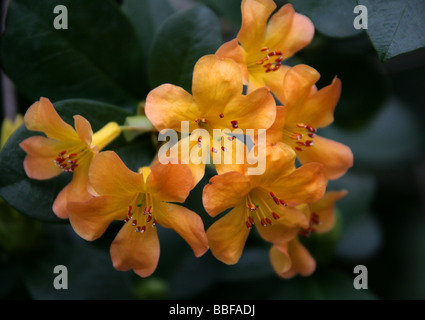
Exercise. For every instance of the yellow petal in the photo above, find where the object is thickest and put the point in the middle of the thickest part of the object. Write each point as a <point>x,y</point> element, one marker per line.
<point>41,153</point>
<point>168,105</point>
<point>225,191</point>
<point>227,236</point>
<point>42,116</point>
<point>110,176</point>
<point>336,157</point>
<point>186,223</point>
<point>279,258</point>
<point>133,250</point>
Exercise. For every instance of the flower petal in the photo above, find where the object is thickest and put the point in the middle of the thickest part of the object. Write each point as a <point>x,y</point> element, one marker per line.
<point>83,129</point>
<point>279,258</point>
<point>42,116</point>
<point>307,184</point>
<point>255,14</point>
<point>302,261</point>
<point>336,157</point>
<point>186,223</point>
<point>170,182</point>
<point>216,81</point>
<point>41,153</point>
<point>225,191</point>
<point>288,31</point>
<point>257,110</point>
<point>132,250</point>
<point>110,176</point>
<point>325,208</point>
<point>227,236</point>
<point>168,105</point>
<point>234,51</point>
<point>91,218</point>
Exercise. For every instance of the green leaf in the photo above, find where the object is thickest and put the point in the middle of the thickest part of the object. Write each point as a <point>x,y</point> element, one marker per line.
<point>229,9</point>
<point>90,274</point>
<point>98,57</point>
<point>333,18</point>
<point>35,198</point>
<point>147,16</point>
<point>395,27</point>
<point>181,41</point>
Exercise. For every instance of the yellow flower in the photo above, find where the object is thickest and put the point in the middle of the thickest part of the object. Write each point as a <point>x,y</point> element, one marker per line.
<point>65,149</point>
<point>264,42</point>
<point>292,258</point>
<point>306,109</point>
<point>267,201</point>
<point>141,200</point>
<point>216,103</point>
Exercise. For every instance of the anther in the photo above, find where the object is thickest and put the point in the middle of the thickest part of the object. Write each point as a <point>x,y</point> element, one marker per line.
<point>264,49</point>
<point>234,123</point>
<point>248,225</point>
<point>134,222</point>
<point>263,223</point>
<point>221,115</point>
<point>269,221</point>
<point>275,215</point>
<point>224,148</point>
<point>214,150</point>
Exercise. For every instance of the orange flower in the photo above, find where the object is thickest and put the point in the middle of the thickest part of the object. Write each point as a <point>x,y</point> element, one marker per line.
<point>305,109</point>
<point>63,150</point>
<point>216,103</point>
<point>264,42</point>
<point>267,201</point>
<point>292,258</point>
<point>141,200</point>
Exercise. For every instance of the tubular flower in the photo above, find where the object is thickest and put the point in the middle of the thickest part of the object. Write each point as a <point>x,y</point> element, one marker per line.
<point>65,149</point>
<point>267,201</point>
<point>216,104</point>
<point>292,258</point>
<point>304,110</point>
<point>140,199</point>
<point>264,42</point>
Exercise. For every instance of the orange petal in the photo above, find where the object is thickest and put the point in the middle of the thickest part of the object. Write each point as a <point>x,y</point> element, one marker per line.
<point>91,218</point>
<point>133,250</point>
<point>279,258</point>
<point>279,161</point>
<point>231,155</point>
<point>255,14</point>
<point>42,116</point>
<point>234,51</point>
<point>336,157</point>
<point>168,105</point>
<point>170,182</point>
<point>273,80</point>
<point>301,260</point>
<point>275,133</point>
<point>225,191</point>
<point>83,129</point>
<point>227,236</point>
<point>76,190</point>
<point>325,208</point>
<point>257,110</point>
<point>288,31</point>
<point>307,184</point>
<point>41,154</point>
<point>297,86</point>
<point>318,109</point>
<point>186,223</point>
<point>110,176</point>
<point>283,229</point>
<point>216,81</point>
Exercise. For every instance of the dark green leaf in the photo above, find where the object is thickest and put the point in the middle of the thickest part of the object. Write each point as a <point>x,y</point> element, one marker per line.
<point>333,18</point>
<point>98,57</point>
<point>180,42</point>
<point>395,27</point>
<point>35,198</point>
<point>229,9</point>
<point>147,16</point>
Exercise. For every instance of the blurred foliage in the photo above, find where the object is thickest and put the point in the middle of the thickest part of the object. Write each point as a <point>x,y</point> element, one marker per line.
<point>114,52</point>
